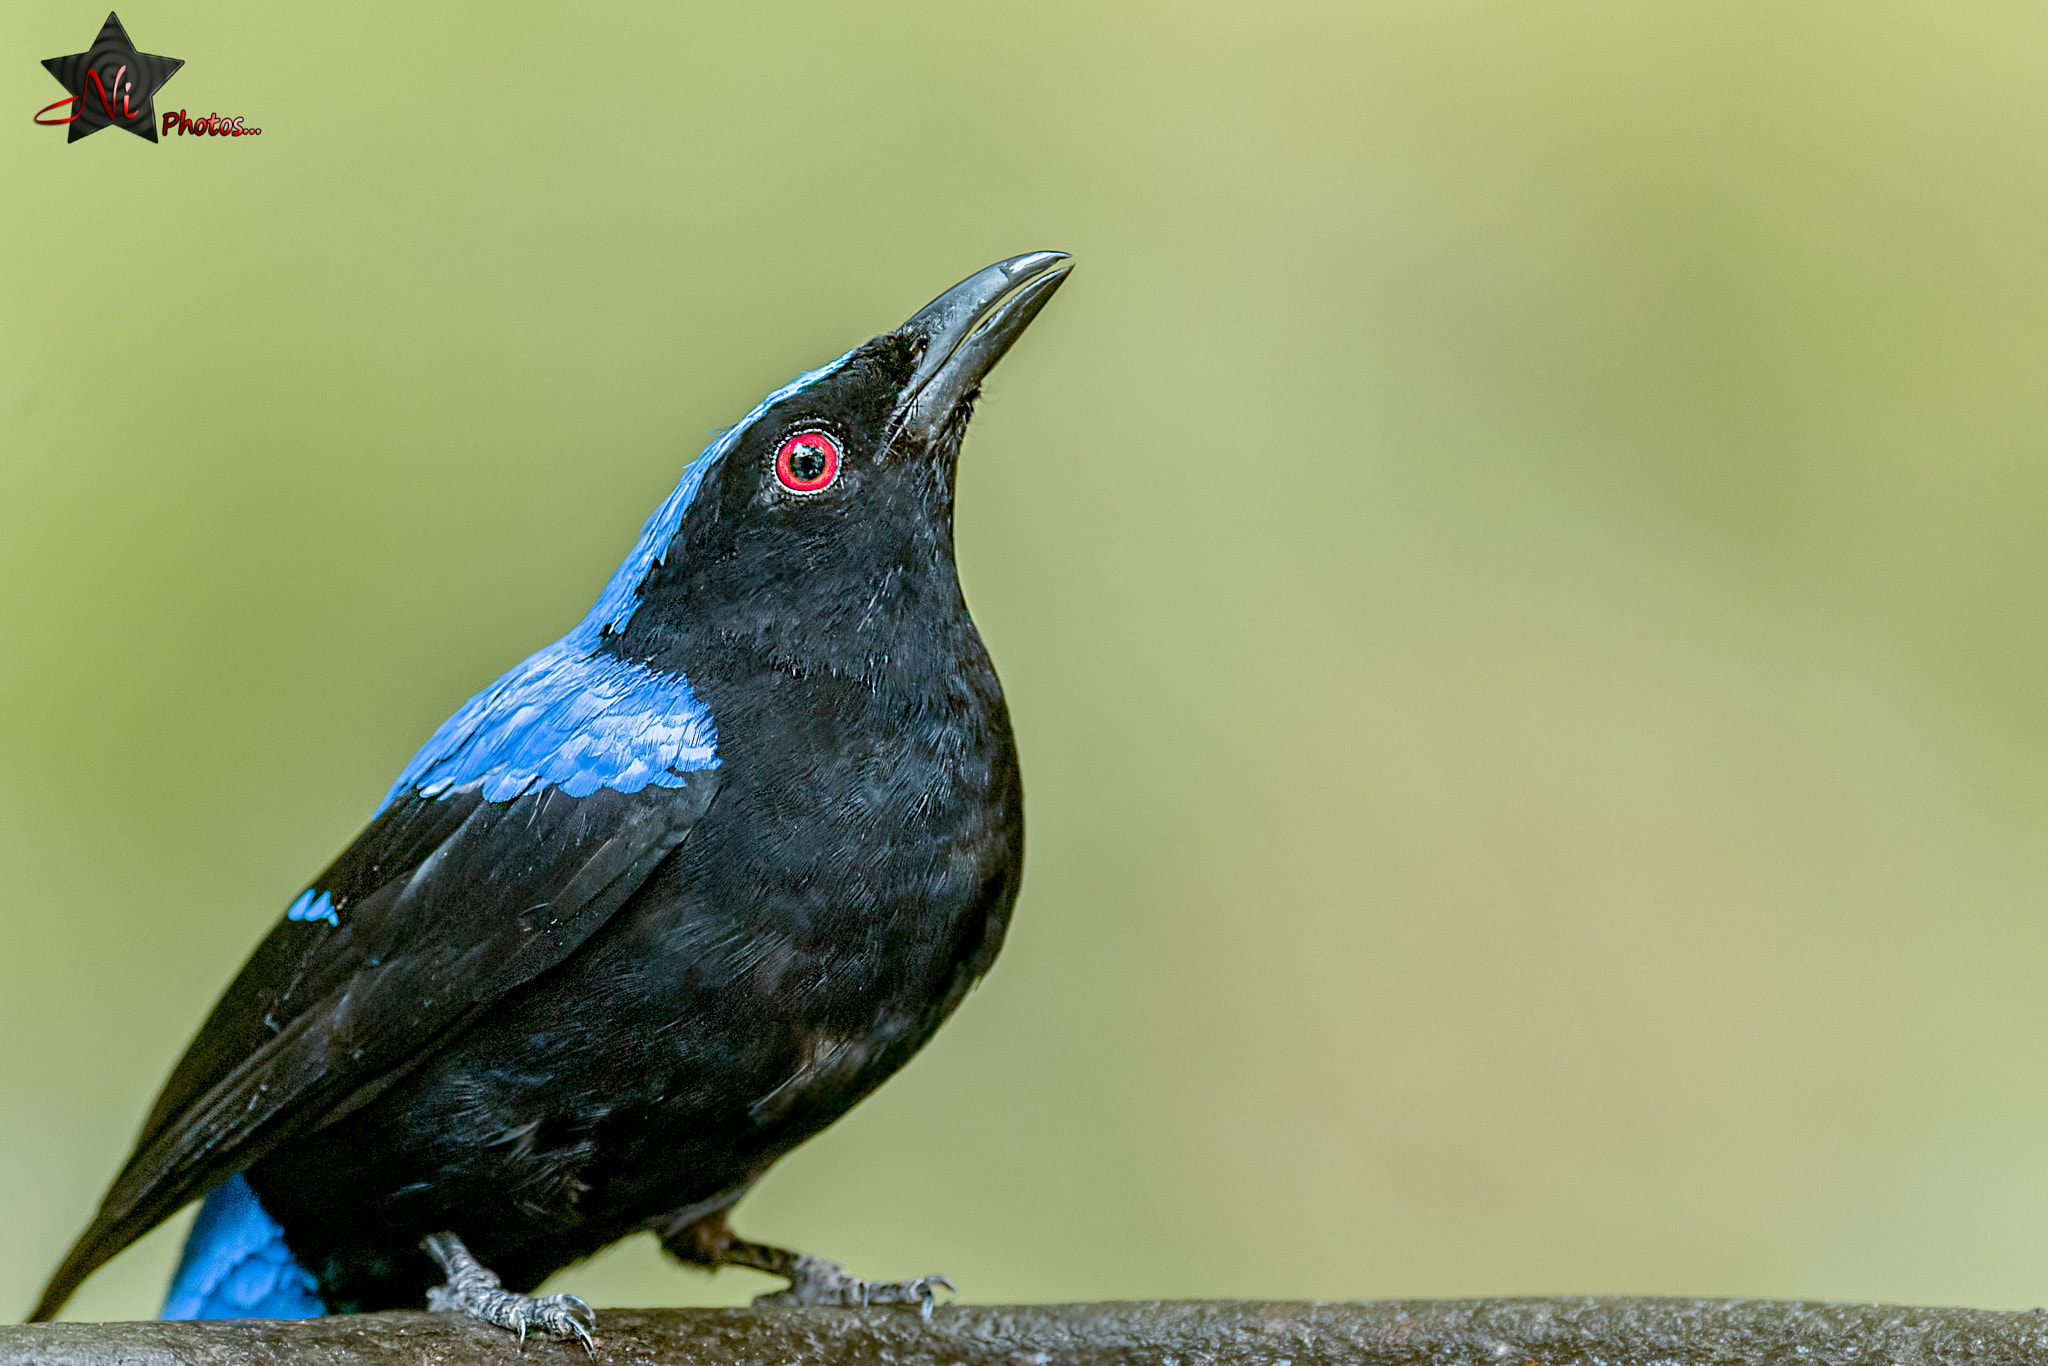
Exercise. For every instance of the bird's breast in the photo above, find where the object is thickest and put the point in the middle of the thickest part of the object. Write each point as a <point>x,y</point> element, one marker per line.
<point>853,879</point>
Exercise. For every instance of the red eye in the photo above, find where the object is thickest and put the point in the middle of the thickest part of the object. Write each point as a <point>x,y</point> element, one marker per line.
<point>807,462</point>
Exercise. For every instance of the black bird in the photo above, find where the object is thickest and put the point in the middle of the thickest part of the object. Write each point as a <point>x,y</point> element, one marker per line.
<point>657,906</point>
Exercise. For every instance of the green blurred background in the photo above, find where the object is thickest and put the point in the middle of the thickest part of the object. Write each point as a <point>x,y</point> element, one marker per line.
<point>1516,561</point>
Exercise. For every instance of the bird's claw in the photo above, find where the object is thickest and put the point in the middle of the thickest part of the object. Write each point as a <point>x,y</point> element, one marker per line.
<point>473,1290</point>
<point>817,1281</point>
<point>559,1316</point>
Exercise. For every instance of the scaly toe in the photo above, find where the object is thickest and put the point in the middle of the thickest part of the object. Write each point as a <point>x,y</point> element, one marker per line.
<point>824,1287</point>
<point>559,1316</point>
<point>564,1316</point>
<point>474,1290</point>
<point>922,1292</point>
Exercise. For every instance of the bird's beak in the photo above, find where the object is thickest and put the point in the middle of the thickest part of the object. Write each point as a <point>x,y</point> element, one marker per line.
<point>967,329</point>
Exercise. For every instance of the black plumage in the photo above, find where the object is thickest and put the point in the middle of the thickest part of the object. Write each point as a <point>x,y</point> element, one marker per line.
<point>543,1021</point>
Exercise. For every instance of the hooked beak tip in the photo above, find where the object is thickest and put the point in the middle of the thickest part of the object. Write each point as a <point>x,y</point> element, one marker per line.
<point>968,329</point>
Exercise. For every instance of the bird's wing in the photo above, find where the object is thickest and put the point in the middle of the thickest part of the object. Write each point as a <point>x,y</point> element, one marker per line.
<point>441,906</point>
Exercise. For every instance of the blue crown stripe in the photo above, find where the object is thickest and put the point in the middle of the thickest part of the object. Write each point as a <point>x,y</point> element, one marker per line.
<point>570,718</point>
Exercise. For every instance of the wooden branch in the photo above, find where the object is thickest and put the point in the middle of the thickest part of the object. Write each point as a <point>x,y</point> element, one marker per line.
<point>1551,1332</point>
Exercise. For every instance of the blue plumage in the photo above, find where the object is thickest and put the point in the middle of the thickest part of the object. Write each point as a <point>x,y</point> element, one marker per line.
<point>569,718</point>
<point>236,1264</point>
<point>313,905</point>
<point>616,604</point>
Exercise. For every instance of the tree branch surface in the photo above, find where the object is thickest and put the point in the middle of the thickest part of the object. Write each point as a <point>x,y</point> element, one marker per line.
<point>1508,1332</point>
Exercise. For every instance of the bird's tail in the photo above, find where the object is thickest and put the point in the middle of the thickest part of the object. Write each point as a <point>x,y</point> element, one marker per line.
<point>236,1264</point>
<point>87,1255</point>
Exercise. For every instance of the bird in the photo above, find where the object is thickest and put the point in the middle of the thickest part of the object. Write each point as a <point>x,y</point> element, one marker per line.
<point>655,907</point>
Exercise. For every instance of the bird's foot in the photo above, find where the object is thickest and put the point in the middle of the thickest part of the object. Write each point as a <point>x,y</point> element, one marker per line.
<point>708,1240</point>
<point>474,1291</point>
<point>813,1280</point>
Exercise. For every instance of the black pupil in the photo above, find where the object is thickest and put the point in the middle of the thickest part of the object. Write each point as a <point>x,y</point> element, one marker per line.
<point>807,463</point>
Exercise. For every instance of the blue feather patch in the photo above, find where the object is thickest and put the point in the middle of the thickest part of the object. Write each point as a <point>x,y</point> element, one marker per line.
<point>571,718</point>
<point>236,1264</point>
<point>313,905</point>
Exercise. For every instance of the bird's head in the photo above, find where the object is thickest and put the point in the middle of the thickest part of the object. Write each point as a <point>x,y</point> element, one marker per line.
<point>819,529</point>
